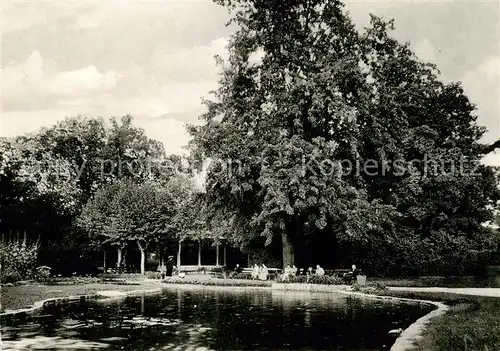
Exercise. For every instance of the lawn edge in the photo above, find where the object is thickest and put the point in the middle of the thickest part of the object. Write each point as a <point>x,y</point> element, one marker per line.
<point>406,341</point>
<point>103,295</point>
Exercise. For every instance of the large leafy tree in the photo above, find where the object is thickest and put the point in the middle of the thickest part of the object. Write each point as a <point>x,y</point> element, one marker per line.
<point>46,177</point>
<point>288,119</point>
<point>285,120</point>
<point>145,213</point>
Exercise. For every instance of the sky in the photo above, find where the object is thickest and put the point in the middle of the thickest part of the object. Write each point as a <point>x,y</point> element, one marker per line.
<point>155,59</point>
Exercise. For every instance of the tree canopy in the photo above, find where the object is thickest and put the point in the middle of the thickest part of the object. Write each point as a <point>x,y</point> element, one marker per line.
<point>346,139</point>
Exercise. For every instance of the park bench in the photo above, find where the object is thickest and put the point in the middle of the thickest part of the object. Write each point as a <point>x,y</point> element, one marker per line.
<point>246,273</point>
<point>339,273</point>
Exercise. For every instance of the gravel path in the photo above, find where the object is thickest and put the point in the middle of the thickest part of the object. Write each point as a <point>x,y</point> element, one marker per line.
<point>489,292</point>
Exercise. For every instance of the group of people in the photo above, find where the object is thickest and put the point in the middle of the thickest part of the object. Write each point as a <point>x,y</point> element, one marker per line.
<point>260,272</point>
<point>294,271</point>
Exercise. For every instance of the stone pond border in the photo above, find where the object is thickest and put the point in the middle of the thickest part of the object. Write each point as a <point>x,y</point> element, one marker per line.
<point>405,341</point>
<point>107,295</point>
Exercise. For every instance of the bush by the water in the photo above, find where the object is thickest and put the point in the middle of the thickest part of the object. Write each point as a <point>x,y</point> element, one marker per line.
<point>315,279</point>
<point>325,279</point>
<point>43,274</point>
<point>371,288</point>
<point>220,282</point>
<point>153,275</point>
<point>18,259</point>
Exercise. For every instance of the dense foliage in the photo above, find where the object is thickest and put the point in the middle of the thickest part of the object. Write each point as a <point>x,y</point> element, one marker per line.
<point>144,213</point>
<point>346,141</point>
<point>46,178</point>
<point>344,149</point>
<point>18,258</point>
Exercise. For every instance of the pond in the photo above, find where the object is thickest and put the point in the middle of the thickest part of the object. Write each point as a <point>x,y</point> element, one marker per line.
<point>215,319</point>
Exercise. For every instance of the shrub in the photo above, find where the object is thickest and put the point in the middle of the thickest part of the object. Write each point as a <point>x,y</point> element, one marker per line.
<point>221,282</point>
<point>296,279</point>
<point>43,274</point>
<point>372,288</point>
<point>18,259</point>
<point>153,275</point>
<point>377,286</point>
<point>324,279</point>
<point>7,277</point>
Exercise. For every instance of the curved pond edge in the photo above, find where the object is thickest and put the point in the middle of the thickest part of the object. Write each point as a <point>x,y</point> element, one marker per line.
<point>99,295</point>
<point>405,341</point>
<point>408,338</point>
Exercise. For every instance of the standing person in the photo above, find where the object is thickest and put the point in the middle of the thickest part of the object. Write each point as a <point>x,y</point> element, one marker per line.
<point>169,266</point>
<point>294,271</point>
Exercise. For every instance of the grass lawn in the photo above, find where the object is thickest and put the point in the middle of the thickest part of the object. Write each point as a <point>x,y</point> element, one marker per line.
<point>444,282</point>
<point>24,296</point>
<point>472,323</point>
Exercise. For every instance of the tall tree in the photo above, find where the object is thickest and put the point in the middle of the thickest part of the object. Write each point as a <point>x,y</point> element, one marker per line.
<point>347,135</point>
<point>278,124</point>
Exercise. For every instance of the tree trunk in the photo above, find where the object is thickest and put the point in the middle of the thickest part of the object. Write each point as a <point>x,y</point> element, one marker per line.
<point>119,258</point>
<point>104,261</point>
<point>143,257</point>
<point>288,251</point>
<point>160,253</point>
<point>225,254</point>
<point>199,253</point>
<point>179,256</point>
<point>124,259</point>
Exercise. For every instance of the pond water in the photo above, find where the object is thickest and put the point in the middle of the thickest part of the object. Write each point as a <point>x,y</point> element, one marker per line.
<point>211,319</point>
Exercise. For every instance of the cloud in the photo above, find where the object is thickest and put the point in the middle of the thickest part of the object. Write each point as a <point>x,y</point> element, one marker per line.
<point>482,85</point>
<point>492,159</point>
<point>425,50</point>
<point>169,131</point>
<point>23,15</point>
<point>196,63</point>
<point>83,80</point>
<point>32,85</point>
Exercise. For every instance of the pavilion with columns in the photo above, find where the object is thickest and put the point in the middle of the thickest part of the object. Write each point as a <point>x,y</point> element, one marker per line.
<point>208,253</point>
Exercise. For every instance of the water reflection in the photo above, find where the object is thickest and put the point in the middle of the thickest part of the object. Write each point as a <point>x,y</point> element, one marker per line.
<point>215,320</point>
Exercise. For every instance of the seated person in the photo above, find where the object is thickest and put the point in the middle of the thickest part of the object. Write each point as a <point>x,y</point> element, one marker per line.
<point>263,272</point>
<point>255,272</point>
<point>237,270</point>
<point>319,271</point>
<point>163,271</point>
<point>286,275</point>
<point>309,273</point>
<point>352,274</point>
<point>294,270</point>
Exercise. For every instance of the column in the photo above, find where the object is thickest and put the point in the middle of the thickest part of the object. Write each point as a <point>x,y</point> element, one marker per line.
<point>104,264</point>
<point>199,253</point>
<point>179,256</point>
<point>217,254</point>
<point>225,254</point>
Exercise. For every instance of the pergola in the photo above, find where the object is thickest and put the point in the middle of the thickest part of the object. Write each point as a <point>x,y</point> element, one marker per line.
<point>218,243</point>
